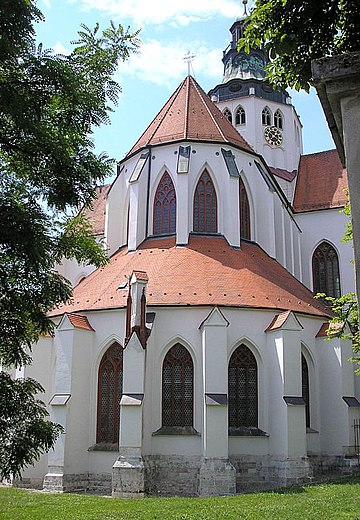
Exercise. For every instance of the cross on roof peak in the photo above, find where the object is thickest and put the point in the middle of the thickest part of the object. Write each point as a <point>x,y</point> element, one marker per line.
<point>189,58</point>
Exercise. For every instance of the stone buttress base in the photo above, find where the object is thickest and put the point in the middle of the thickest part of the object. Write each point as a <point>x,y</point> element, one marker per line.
<point>128,474</point>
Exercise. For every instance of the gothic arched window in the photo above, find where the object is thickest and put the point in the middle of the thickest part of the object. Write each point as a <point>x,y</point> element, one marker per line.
<point>205,205</point>
<point>266,116</point>
<point>110,382</point>
<point>165,207</point>
<point>177,387</point>
<point>228,115</point>
<point>278,119</point>
<point>243,388</point>
<point>305,388</point>
<point>326,276</point>
<point>240,117</point>
<point>244,212</point>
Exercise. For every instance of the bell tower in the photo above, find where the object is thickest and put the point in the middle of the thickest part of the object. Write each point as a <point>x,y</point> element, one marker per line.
<point>265,117</point>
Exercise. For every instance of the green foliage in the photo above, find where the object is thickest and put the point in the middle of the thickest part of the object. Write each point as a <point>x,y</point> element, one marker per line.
<point>25,432</point>
<point>49,106</point>
<point>345,321</point>
<point>295,32</point>
<point>330,501</point>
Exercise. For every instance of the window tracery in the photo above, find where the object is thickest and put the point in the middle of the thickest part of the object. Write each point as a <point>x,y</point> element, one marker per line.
<point>243,388</point>
<point>326,275</point>
<point>205,205</point>
<point>110,383</point>
<point>165,207</point>
<point>177,387</point>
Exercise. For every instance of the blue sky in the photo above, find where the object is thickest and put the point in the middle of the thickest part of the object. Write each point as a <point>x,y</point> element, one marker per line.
<point>169,28</point>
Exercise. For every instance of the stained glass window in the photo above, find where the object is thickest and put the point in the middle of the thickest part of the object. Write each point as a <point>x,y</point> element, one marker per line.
<point>165,207</point>
<point>228,115</point>
<point>266,116</point>
<point>305,388</point>
<point>243,388</point>
<point>278,119</point>
<point>244,212</point>
<point>110,382</point>
<point>326,276</point>
<point>205,205</point>
<point>177,387</point>
<point>240,117</point>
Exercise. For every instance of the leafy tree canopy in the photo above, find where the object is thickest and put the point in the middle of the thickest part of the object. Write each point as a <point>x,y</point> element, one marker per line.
<point>295,32</point>
<point>49,106</point>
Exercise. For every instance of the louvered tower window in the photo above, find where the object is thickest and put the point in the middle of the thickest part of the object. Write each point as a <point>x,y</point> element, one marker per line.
<point>110,382</point>
<point>177,387</point>
<point>278,119</point>
<point>165,207</point>
<point>305,388</point>
<point>205,205</point>
<point>326,276</point>
<point>244,212</point>
<point>240,117</point>
<point>266,116</point>
<point>228,115</point>
<point>243,388</point>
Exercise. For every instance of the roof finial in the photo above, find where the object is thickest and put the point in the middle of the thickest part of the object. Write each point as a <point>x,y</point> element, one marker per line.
<point>188,58</point>
<point>245,3</point>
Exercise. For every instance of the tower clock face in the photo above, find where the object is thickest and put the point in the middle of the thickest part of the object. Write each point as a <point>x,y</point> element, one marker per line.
<point>273,136</point>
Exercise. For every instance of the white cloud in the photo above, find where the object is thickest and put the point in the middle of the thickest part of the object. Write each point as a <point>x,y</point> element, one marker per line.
<point>145,12</point>
<point>164,64</point>
<point>59,48</point>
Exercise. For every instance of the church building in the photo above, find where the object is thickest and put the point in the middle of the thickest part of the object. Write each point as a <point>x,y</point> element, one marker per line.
<point>194,362</point>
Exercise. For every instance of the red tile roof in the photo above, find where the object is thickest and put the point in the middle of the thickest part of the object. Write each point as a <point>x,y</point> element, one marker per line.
<point>321,182</point>
<point>96,212</point>
<point>79,322</point>
<point>283,174</point>
<point>278,321</point>
<point>189,114</point>
<point>206,272</point>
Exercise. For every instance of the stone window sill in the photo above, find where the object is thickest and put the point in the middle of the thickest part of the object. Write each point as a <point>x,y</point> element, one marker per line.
<point>105,446</point>
<point>247,431</point>
<point>176,430</point>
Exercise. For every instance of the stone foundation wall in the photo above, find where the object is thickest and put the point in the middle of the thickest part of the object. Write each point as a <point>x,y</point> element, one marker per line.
<point>257,472</point>
<point>326,465</point>
<point>171,476</point>
<point>92,483</point>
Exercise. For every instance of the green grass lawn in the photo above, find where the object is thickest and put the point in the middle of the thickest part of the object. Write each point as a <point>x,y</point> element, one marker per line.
<point>324,501</point>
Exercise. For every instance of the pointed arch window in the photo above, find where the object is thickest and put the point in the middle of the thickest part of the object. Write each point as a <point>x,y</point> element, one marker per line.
<point>228,115</point>
<point>278,119</point>
<point>240,116</point>
<point>165,207</point>
<point>326,275</point>
<point>110,383</point>
<point>266,116</point>
<point>177,387</point>
<point>244,212</point>
<point>243,389</point>
<point>205,205</point>
<point>305,388</point>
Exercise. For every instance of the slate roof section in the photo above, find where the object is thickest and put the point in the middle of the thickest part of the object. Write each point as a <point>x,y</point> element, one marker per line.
<point>321,182</point>
<point>189,114</point>
<point>96,212</point>
<point>206,272</point>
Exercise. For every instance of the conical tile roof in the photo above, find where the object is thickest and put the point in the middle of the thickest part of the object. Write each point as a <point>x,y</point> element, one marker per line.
<point>189,114</point>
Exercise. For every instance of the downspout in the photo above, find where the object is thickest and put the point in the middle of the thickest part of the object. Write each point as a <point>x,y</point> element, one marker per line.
<point>148,194</point>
